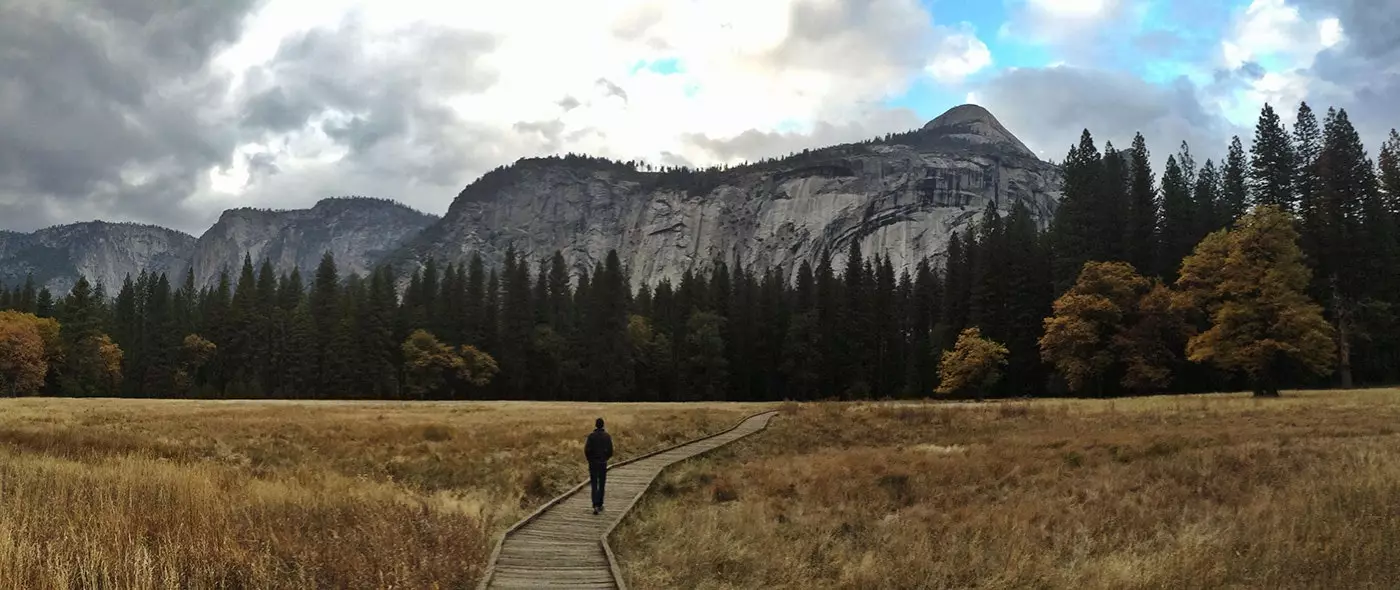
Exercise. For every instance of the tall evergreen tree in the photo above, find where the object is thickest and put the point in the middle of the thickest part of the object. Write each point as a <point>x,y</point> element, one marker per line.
<point>1307,146</point>
<point>1389,162</point>
<point>1141,223</point>
<point>1272,163</point>
<point>1346,189</point>
<point>1178,234</point>
<point>1234,193</point>
<point>1207,203</point>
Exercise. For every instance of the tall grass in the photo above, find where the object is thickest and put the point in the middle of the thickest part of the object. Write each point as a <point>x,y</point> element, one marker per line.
<point>183,494</point>
<point>1171,492</point>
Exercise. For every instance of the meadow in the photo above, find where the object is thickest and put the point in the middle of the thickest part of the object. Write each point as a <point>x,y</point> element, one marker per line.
<point>1221,491</point>
<point>101,493</point>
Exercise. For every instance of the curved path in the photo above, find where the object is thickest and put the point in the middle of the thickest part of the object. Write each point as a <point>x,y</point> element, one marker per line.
<point>564,545</point>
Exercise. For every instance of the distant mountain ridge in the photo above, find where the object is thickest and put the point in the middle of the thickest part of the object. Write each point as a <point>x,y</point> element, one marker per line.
<point>356,230</point>
<point>102,251</point>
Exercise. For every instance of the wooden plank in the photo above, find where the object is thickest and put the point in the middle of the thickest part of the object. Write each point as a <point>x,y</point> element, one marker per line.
<point>564,545</point>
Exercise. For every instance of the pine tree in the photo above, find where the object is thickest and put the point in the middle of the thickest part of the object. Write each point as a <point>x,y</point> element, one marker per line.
<point>957,291</point>
<point>1272,163</point>
<point>1117,199</point>
<point>325,313</point>
<point>1207,204</point>
<point>1345,249</point>
<point>1141,223</point>
<point>475,313</point>
<point>1234,193</point>
<point>1389,162</point>
<point>1028,302</point>
<point>1077,236</point>
<point>854,319</point>
<point>991,254</point>
<point>1178,233</point>
<point>1307,147</point>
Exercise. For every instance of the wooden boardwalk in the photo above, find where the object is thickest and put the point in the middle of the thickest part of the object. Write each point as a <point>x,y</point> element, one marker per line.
<point>564,545</point>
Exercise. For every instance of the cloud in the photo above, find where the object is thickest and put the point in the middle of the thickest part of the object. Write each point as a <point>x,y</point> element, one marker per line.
<point>1111,105</point>
<point>1361,72</point>
<point>960,55</point>
<point>1275,28</point>
<point>168,113</point>
<point>756,145</point>
<point>110,110</point>
<point>1061,23</point>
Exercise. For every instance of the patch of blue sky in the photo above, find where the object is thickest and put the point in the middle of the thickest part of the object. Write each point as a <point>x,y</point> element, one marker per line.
<point>665,66</point>
<point>986,16</point>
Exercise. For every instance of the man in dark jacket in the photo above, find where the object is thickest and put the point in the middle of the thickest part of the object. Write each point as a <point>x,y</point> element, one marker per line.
<point>598,450</point>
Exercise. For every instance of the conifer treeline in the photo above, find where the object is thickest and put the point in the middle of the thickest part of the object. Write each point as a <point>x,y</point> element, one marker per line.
<point>854,328</point>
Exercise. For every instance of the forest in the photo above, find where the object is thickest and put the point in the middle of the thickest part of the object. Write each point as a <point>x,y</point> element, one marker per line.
<point>1275,268</point>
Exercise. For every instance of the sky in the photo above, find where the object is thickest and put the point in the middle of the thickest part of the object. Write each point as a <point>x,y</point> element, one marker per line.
<point>171,112</point>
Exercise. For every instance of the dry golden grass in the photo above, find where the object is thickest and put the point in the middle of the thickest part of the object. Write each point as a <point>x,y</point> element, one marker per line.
<point>198,494</point>
<point>1170,492</point>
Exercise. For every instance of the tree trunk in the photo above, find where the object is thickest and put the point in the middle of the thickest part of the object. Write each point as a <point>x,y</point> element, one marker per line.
<point>1342,309</point>
<point>1267,383</point>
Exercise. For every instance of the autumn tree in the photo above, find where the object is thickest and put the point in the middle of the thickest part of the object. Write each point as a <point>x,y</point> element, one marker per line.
<point>1112,323</point>
<point>432,368</point>
<point>973,366</point>
<point>195,351</point>
<point>1246,287</point>
<point>23,360</point>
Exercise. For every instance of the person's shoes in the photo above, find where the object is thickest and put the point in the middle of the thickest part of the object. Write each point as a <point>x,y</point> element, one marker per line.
<point>597,509</point>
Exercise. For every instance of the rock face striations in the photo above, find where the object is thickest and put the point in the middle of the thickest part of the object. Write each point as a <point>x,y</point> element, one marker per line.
<point>357,231</point>
<point>901,197</point>
<point>103,252</point>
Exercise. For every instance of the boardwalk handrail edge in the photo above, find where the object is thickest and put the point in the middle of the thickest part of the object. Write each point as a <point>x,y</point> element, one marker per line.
<point>496,552</point>
<point>607,549</point>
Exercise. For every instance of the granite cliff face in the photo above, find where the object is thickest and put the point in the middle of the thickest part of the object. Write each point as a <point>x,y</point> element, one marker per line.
<point>901,197</point>
<point>357,231</point>
<point>103,252</point>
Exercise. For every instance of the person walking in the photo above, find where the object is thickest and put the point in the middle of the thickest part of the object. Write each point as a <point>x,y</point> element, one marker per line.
<point>598,450</point>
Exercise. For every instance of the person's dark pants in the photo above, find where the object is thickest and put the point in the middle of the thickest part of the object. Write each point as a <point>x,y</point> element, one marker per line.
<point>597,476</point>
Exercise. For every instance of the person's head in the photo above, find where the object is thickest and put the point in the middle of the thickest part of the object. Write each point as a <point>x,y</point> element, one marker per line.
<point>598,423</point>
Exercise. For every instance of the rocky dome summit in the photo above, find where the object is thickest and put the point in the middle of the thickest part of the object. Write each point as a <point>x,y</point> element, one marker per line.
<point>976,126</point>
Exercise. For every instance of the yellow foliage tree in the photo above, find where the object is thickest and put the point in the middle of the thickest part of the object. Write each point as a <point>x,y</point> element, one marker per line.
<point>1247,284</point>
<point>1112,319</point>
<point>972,366</point>
<point>23,362</point>
<point>109,360</point>
<point>428,364</point>
<point>195,351</point>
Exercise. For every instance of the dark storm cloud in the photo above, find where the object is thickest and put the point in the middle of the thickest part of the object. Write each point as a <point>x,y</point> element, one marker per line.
<point>380,96</point>
<point>753,145</point>
<point>1361,74</point>
<point>382,99</point>
<point>1113,106</point>
<point>103,107</point>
